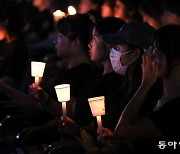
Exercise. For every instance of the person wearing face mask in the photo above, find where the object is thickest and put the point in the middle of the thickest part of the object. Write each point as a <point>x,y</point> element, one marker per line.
<point>127,47</point>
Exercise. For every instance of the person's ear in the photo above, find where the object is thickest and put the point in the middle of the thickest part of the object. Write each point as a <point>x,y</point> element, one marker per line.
<point>137,53</point>
<point>76,43</point>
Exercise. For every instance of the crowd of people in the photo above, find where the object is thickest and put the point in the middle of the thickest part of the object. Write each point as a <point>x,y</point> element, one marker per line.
<point>124,50</point>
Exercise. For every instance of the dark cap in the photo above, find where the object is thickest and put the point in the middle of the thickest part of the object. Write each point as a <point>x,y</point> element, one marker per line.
<point>135,33</point>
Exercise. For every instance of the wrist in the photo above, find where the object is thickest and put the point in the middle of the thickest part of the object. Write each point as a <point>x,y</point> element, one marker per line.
<point>145,86</point>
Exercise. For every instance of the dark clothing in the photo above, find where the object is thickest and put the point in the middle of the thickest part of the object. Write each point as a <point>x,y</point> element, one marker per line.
<point>167,121</point>
<point>97,85</point>
<point>14,61</point>
<point>76,77</point>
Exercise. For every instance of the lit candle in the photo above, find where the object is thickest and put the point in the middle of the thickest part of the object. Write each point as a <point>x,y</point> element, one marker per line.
<point>58,14</point>
<point>97,108</point>
<point>36,82</point>
<point>37,70</point>
<point>99,125</point>
<point>64,110</point>
<point>63,94</point>
<point>71,10</point>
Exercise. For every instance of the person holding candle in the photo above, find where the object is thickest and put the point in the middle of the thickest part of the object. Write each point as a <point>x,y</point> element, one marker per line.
<point>125,38</point>
<point>162,61</point>
<point>161,125</point>
<point>104,82</point>
<point>71,46</point>
<point>100,83</point>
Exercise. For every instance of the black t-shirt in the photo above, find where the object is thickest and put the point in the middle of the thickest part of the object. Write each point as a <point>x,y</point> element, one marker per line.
<point>76,77</point>
<point>14,61</point>
<point>97,85</point>
<point>167,120</point>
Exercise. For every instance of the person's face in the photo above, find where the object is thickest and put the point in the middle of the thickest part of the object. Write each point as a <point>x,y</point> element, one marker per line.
<point>84,6</point>
<point>97,49</point>
<point>119,10</point>
<point>106,11</point>
<point>170,18</point>
<point>2,34</point>
<point>40,3</point>
<point>37,3</point>
<point>150,20</point>
<point>125,58</point>
<point>63,46</point>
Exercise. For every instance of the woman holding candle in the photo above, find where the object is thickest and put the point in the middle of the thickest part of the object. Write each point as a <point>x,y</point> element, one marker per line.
<point>162,61</point>
<point>71,46</point>
<point>104,82</point>
<point>147,133</point>
<point>99,83</point>
<point>131,46</point>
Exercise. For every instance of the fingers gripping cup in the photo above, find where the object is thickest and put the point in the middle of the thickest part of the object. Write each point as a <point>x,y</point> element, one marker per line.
<point>37,70</point>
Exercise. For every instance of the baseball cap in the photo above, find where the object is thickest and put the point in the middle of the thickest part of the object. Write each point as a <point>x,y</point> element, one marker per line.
<point>135,33</point>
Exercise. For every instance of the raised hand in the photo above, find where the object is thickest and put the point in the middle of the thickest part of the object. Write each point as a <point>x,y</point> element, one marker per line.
<point>149,70</point>
<point>39,94</point>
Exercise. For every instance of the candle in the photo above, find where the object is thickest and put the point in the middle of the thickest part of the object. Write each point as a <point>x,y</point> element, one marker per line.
<point>97,108</point>
<point>36,82</point>
<point>99,125</point>
<point>37,70</point>
<point>58,14</point>
<point>71,10</point>
<point>64,110</point>
<point>63,94</point>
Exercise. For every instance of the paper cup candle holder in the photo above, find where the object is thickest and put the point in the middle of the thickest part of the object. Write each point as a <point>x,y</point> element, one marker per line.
<point>97,106</point>
<point>37,70</point>
<point>63,95</point>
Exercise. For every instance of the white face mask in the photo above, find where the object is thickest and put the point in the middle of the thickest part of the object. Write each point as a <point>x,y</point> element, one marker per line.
<point>115,58</point>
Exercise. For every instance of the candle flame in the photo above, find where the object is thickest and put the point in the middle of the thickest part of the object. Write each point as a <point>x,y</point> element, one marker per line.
<point>71,10</point>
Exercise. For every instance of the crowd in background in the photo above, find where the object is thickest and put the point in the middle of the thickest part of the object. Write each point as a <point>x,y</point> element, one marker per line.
<point>125,50</point>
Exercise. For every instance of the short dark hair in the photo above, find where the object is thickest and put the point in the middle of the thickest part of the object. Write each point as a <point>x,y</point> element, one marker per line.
<point>166,39</point>
<point>76,26</point>
<point>152,8</point>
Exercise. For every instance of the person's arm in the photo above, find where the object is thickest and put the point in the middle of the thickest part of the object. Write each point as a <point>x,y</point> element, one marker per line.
<point>130,126</point>
<point>91,146</point>
<point>20,97</point>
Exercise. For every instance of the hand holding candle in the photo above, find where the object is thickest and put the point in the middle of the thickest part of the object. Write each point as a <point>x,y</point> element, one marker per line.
<point>63,94</point>
<point>37,70</point>
<point>98,108</point>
